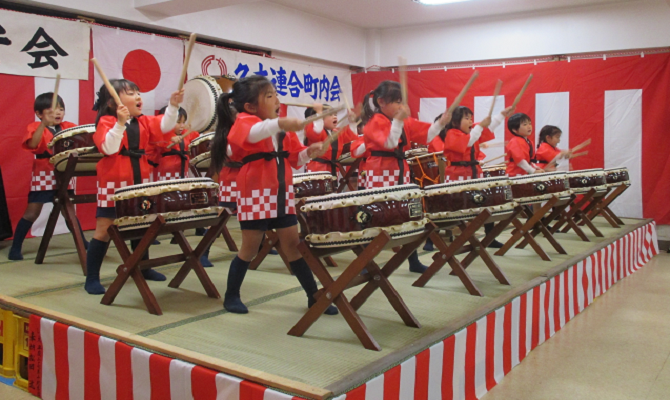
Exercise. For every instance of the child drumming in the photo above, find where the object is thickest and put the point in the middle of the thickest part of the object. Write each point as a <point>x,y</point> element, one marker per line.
<point>520,152</point>
<point>267,147</point>
<point>124,136</point>
<point>43,183</point>
<point>550,137</point>
<point>173,163</point>
<point>318,131</point>
<point>388,133</point>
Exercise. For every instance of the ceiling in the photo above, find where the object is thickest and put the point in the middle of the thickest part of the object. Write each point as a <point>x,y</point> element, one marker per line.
<point>395,13</point>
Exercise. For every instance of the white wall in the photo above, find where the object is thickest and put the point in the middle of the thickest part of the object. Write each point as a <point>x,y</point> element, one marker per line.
<point>255,24</point>
<point>618,26</point>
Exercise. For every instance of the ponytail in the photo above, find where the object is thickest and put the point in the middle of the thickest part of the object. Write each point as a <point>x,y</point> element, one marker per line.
<point>225,120</point>
<point>369,108</point>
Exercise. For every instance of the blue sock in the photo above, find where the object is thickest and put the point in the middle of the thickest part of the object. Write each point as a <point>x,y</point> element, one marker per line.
<point>94,257</point>
<point>306,278</point>
<point>415,264</point>
<point>22,229</point>
<point>232,301</point>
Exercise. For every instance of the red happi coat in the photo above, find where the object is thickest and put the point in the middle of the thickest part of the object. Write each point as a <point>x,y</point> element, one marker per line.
<point>436,145</point>
<point>333,153</point>
<point>169,166</point>
<point>517,149</point>
<point>228,181</point>
<point>43,171</point>
<point>385,171</point>
<point>115,170</point>
<point>546,153</point>
<point>258,182</point>
<point>456,150</point>
<point>360,140</point>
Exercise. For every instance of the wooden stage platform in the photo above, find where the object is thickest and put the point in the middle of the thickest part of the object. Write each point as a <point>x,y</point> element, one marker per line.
<point>196,350</point>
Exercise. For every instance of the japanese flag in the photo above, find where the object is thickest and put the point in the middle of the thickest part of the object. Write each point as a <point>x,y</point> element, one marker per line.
<point>153,63</point>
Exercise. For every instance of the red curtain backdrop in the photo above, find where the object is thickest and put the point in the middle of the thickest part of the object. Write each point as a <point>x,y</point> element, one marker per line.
<point>586,81</point>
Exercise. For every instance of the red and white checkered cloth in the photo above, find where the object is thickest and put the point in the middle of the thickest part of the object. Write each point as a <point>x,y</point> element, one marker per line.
<point>228,193</point>
<point>262,205</point>
<point>45,180</point>
<point>387,178</point>
<point>167,176</point>
<point>106,192</point>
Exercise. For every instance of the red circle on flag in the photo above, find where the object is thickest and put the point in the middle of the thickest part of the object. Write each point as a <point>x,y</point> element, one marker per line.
<point>141,67</point>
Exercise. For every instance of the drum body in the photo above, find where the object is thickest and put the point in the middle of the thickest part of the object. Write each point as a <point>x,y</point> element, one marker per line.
<point>536,188</point>
<point>426,168</point>
<point>199,150</point>
<point>200,96</point>
<point>583,181</point>
<point>462,200</point>
<point>312,184</point>
<point>353,218</point>
<point>179,200</point>
<point>494,170</point>
<point>617,176</point>
<point>77,140</point>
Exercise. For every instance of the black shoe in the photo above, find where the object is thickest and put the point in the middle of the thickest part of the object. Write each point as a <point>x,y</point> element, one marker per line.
<point>93,286</point>
<point>151,275</point>
<point>156,242</point>
<point>331,310</point>
<point>273,252</point>
<point>495,245</point>
<point>234,305</point>
<point>15,254</point>
<point>200,231</point>
<point>418,268</point>
<point>428,246</point>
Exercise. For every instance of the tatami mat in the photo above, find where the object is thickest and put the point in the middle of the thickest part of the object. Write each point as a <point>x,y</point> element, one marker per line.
<point>328,352</point>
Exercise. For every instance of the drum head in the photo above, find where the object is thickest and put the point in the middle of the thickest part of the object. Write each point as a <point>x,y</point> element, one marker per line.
<point>200,96</point>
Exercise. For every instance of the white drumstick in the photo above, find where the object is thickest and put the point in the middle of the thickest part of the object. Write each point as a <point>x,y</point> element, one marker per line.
<point>187,57</point>
<point>54,100</point>
<point>108,85</point>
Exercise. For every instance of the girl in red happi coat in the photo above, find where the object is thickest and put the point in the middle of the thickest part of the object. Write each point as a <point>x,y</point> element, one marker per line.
<point>550,137</point>
<point>124,135</point>
<point>267,147</point>
<point>43,182</point>
<point>174,161</point>
<point>318,131</point>
<point>388,133</point>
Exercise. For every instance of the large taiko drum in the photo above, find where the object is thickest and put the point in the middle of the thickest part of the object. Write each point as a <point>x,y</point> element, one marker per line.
<point>463,200</point>
<point>77,140</point>
<point>426,168</point>
<point>180,200</point>
<point>353,218</point>
<point>584,180</point>
<point>199,150</point>
<point>200,96</point>
<point>312,184</point>
<point>617,176</point>
<point>494,170</point>
<point>536,188</point>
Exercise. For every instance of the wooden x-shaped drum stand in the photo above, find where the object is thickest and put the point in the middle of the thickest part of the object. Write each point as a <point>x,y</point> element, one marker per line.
<point>133,264</point>
<point>600,206</point>
<point>375,278</point>
<point>345,181</point>
<point>64,203</point>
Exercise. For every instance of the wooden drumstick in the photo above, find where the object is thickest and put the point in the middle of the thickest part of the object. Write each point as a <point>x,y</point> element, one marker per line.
<point>189,48</point>
<point>581,145</point>
<point>583,153</point>
<point>523,89</point>
<point>487,145</point>
<point>402,71</point>
<point>54,100</point>
<point>186,129</point>
<point>495,96</point>
<point>464,91</point>
<point>108,85</point>
<point>290,103</point>
<point>493,159</point>
<point>331,138</point>
<point>324,114</point>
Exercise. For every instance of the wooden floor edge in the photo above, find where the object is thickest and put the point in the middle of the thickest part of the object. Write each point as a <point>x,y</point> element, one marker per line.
<point>260,377</point>
<point>379,366</point>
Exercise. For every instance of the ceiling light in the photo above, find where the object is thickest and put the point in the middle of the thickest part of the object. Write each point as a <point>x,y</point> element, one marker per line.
<point>436,2</point>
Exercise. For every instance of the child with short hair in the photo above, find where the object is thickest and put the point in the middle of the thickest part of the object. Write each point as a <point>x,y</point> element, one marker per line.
<point>268,147</point>
<point>43,183</point>
<point>174,161</point>
<point>123,135</point>
<point>520,152</point>
<point>549,138</point>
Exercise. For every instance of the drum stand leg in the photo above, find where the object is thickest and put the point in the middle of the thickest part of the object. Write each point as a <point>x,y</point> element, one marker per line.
<point>333,290</point>
<point>346,175</point>
<point>541,227</point>
<point>490,237</point>
<point>63,204</point>
<point>131,266</point>
<point>446,255</point>
<point>574,214</point>
<point>522,230</point>
<point>602,208</point>
<point>480,249</point>
<point>556,212</point>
